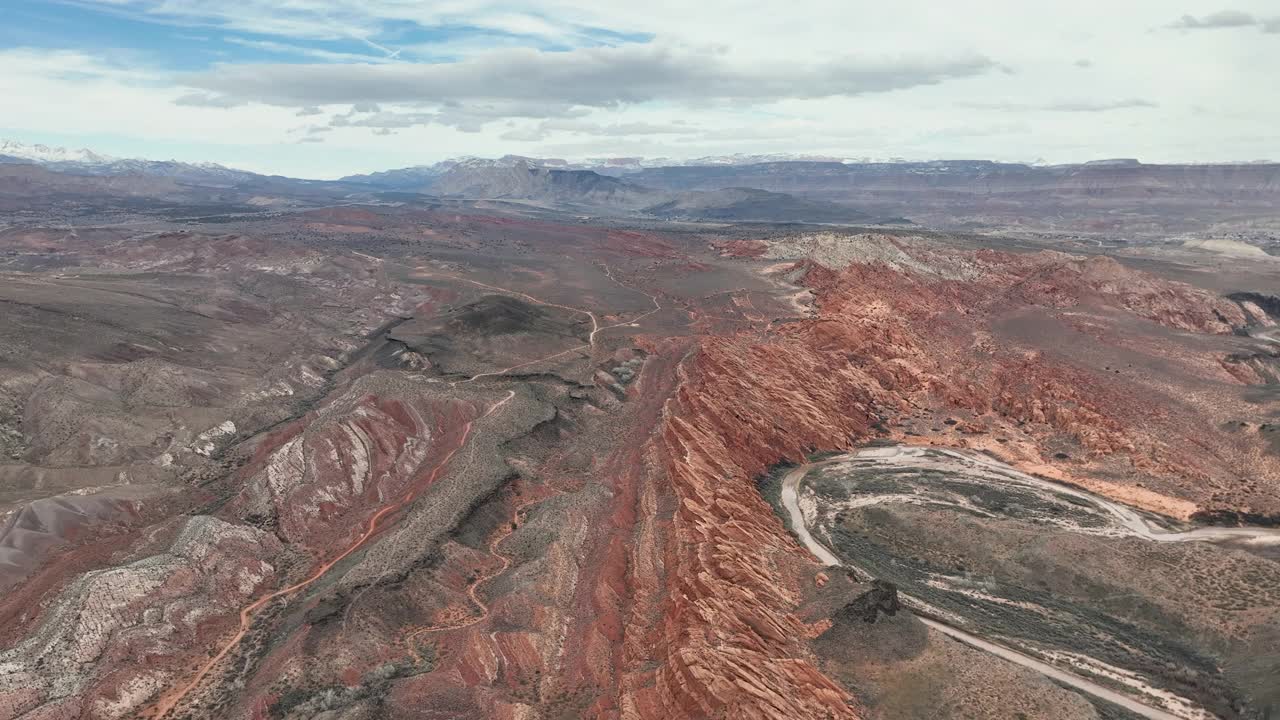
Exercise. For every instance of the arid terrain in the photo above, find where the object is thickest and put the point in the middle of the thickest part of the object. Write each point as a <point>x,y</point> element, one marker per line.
<point>371,456</point>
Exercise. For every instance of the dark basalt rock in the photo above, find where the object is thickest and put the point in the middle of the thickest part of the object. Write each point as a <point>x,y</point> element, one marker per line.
<point>881,598</point>
<point>1270,304</point>
<point>1235,518</point>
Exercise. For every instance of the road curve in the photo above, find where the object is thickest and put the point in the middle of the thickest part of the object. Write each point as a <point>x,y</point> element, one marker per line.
<point>791,501</point>
<point>1127,517</point>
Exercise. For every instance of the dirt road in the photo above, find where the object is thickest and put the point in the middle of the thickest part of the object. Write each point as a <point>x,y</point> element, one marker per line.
<point>1127,519</point>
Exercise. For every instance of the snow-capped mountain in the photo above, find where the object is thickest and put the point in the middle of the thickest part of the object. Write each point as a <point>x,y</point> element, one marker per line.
<point>88,162</point>
<point>45,154</point>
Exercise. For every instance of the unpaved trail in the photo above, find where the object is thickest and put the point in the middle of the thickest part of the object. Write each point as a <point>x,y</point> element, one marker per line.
<point>596,328</point>
<point>1126,518</point>
<point>595,322</point>
<point>1052,672</point>
<point>169,701</point>
<point>791,501</point>
<point>473,591</point>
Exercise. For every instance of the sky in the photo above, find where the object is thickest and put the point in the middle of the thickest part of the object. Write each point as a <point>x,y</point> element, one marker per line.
<point>325,88</point>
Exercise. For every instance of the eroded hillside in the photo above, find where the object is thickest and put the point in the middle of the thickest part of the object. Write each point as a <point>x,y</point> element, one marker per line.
<point>385,463</point>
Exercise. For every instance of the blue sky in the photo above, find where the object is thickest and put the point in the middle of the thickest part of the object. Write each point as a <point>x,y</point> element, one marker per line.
<point>197,41</point>
<point>328,87</point>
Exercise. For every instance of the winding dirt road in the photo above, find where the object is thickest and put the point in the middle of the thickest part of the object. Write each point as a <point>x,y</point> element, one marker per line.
<point>596,328</point>
<point>473,591</point>
<point>1130,520</point>
<point>1126,518</point>
<point>168,702</point>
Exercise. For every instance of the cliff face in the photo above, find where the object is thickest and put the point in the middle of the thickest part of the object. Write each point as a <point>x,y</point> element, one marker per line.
<point>891,351</point>
<point>731,645</point>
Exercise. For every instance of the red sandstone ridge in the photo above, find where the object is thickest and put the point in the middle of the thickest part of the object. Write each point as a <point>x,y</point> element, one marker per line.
<point>1006,347</point>
<point>729,644</point>
<point>886,345</point>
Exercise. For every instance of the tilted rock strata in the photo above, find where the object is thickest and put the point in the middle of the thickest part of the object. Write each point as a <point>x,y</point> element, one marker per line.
<point>886,340</point>
<point>108,619</point>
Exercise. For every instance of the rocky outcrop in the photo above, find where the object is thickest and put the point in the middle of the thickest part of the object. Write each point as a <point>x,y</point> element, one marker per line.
<point>882,598</point>
<point>903,334</point>
<point>363,450</point>
<point>730,643</point>
<point>1065,281</point>
<point>81,660</point>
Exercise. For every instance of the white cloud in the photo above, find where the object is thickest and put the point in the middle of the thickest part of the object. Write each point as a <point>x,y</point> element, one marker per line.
<point>913,78</point>
<point>202,99</point>
<point>1219,19</point>
<point>1068,105</point>
<point>304,51</point>
<point>598,77</point>
<point>550,128</point>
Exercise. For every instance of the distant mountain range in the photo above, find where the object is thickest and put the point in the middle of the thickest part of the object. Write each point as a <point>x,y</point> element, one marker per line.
<point>16,151</point>
<point>37,170</point>
<point>523,179</point>
<point>604,166</point>
<point>939,179</point>
<point>735,188</point>
<point>88,162</point>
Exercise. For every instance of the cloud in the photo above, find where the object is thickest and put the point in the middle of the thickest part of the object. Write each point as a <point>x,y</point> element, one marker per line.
<point>546,128</point>
<point>595,77</point>
<point>471,117</point>
<point>527,134</point>
<point>617,129</point>
<point>467,117</point>
<point>377,22</point>
<point>1220,19</point>
<point>1227,19</point>
<point>1081,106</point>
<point>384,120</point>
<point>280,48</point>
<point>1083,63</point>
<point>1103,106</point>
<point>745,82</point>
<point>201,99</point>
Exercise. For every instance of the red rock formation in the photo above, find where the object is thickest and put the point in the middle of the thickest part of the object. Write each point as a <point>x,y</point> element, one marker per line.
<point>363,450</point>
<point>157,606</point>
<point>725,574</point>
<point>729,644</point>
<point>659,584</point>
<point>741,248</point>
